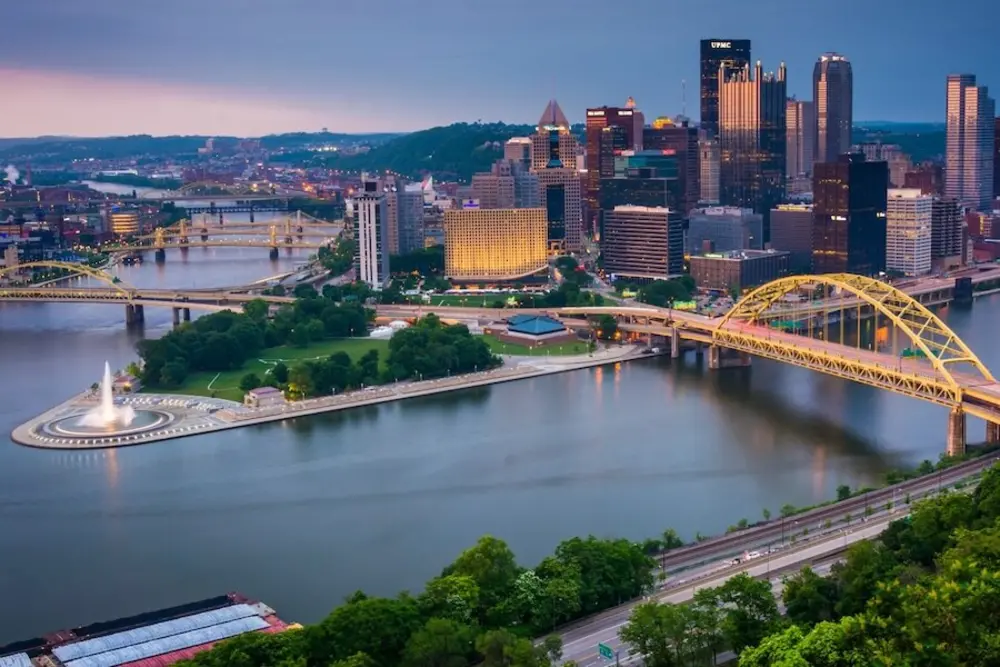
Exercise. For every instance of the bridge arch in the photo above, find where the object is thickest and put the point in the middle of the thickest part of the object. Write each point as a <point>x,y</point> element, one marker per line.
<point>941,346</point>
<point>75,270</point>
<point>194,188</point>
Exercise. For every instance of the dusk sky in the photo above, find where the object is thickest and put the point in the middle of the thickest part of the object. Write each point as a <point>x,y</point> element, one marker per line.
<point>251,67</point>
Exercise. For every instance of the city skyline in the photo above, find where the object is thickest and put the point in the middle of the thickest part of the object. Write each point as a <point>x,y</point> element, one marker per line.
<point>192,68</point>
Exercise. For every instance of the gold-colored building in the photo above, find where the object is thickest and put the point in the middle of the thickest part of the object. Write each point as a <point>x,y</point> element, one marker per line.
<point>125,223</point>
<point>494,244</point>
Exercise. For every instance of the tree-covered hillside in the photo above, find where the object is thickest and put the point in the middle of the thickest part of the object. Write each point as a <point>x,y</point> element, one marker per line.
<point>452,152</point>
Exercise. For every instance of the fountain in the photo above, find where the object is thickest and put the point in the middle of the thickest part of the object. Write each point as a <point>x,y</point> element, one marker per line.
<point>108,415</point>
<point>107,421</point>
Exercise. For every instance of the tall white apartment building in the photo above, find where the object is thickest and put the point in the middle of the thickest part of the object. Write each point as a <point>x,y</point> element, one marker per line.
<point>371,231</point>
<point>908,232</point>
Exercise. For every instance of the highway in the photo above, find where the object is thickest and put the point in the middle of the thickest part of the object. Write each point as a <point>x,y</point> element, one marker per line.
<point>710,563</point>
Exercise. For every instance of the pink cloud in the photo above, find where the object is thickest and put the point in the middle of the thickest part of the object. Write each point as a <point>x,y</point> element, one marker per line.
<point>45,102</point>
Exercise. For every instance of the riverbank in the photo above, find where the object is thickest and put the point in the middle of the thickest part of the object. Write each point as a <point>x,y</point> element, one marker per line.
<point>196,415</point>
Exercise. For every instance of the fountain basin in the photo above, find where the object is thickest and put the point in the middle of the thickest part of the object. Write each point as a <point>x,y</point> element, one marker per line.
<point>76,426</point>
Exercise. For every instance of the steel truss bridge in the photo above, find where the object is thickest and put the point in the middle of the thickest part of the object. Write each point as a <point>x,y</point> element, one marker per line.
<point>135,299</point>
<point>901,347</point>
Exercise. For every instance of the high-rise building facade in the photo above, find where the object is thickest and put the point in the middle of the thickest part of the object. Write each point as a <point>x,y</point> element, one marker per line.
<point>494,244</point>
<point>849,227</point>
<point>552,140</point>
<point>681,140</point>
<point>718,55</point>
<point>996,159</point>
<point>708,167</point>
<point>495,189</point>
<point>518,151</point>
<point>800,136</point>
<point>561,197</point>
<point>908,232</point>
<point>643,242</point>
<point>608,130</point>
<point>833,95</point>
<point>371,232</point>
<point>639,186</point>
<point>410,217</point>
<point>752,145</point>
<point>725,229</point>
<point>947,236</point>
<point>791,230</point>
<point>970,146</point>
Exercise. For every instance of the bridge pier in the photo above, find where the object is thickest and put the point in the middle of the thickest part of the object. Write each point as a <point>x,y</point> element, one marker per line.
<point>992,433</point>
<point>675,343</point>
<point>720,357</point>
<point>273,254</point>
<point>956,432</point>
<point>177,317</point>
<point>160,256</point>
<point>187,314</point>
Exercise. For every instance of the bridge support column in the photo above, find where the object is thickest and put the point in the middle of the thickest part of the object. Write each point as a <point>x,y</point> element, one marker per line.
<point>187,314</point>
<point>160,256</point>
<point>675,343</point>
<point>956,433</point>
<point>204,237</point>
<point>720,357</point>
<point>177,317</point>
<point>992,433</point>
<point>699,350</point>
<point>140,314</point>
<point>129,314</point>
<point>273,254</point>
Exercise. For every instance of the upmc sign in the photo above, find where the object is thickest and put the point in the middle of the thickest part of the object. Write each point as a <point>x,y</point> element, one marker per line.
<point>722,45</point>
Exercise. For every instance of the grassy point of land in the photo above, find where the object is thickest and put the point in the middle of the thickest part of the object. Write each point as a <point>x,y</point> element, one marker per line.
<point>559,349</point>
<point>227,383</point>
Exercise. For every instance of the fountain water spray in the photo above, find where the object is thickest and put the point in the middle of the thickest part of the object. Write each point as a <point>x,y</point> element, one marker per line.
<point>107,414</point>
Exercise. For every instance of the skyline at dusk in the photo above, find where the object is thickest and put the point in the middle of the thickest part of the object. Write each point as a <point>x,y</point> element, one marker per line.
<point>251,68</point>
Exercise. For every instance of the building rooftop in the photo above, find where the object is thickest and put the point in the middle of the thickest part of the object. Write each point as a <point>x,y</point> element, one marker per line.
<point>264,391</point>
<point>534,325</point>
<point>631,208</point>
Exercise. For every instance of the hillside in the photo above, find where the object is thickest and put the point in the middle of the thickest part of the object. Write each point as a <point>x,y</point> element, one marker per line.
<point>452,152</point>
<point>921,141</point>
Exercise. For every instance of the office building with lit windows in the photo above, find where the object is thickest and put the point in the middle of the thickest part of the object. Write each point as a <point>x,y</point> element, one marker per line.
<point>800,130</point>
<point>488,245</point>
<point>680,139</point>
<point>948,234</point>
<point>717,55</point>
<point>791,230</point>
<point>971,112</point>
<point>833,95</point>
<point>752,139</point>
<point>124,223</point>
<point>908,232</point>
<point>849,208</point>
<point>642,242</point>
<point>708,167</point>
<point>609,130</point>
<point>553,140</point>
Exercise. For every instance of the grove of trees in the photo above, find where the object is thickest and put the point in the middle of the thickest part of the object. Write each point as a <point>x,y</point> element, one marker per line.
<point>225,340</point>
<point>484,608</point>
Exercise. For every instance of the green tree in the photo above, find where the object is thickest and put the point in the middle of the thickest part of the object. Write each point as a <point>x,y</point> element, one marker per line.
<point>660,634</point>
<point>377,627</point>
<point>671,540</point>
<point>249,381</point>
<point>611,571</point>
<point>502,648</point>
<point>843,492</point>
<point>453,597</point>
<point>751,612</point>
<point>255,649</point>
<point>440,643</point>
<point>605,327</point>
<point>809,598</point>
<point>280,373</point>
<point>492,566</point>
<point>767,514</point>
<point>256,309</point>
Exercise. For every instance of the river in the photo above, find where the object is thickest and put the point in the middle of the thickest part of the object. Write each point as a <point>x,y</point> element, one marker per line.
<point>300,514</point>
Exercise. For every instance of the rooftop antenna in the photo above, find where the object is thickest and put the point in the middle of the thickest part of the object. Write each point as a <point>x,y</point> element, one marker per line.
<point>684,104</point>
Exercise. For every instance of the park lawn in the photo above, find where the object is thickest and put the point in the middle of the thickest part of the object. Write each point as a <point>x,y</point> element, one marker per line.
<point>227,384</point>
<point>558,349</point>
<point>467,300</point>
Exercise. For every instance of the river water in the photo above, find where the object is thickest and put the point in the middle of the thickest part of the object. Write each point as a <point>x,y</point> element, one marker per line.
<point>299,514</point>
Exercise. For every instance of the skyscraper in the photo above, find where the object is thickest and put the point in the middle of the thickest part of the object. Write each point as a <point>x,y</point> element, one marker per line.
<point>708,167</point>
<point>494,244</point>
<point>371,230</point>
<point>718,55</point>
<point>970,142</point>
<point>908,232</point>
<point>410,216</point>
<point>643,242</point>
<point>833,95</point>
<point>681,140</point>
<point>552,139</point>
<point>609,129</point>
<point>752,141</point>
<point>495,188</point>
<point>800,126</point>
<point>849,203</point>
<point>996,158</point>
<point>947,239</point>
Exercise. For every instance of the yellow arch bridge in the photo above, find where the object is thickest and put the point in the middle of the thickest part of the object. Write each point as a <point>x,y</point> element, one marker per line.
<point>864,330</point>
